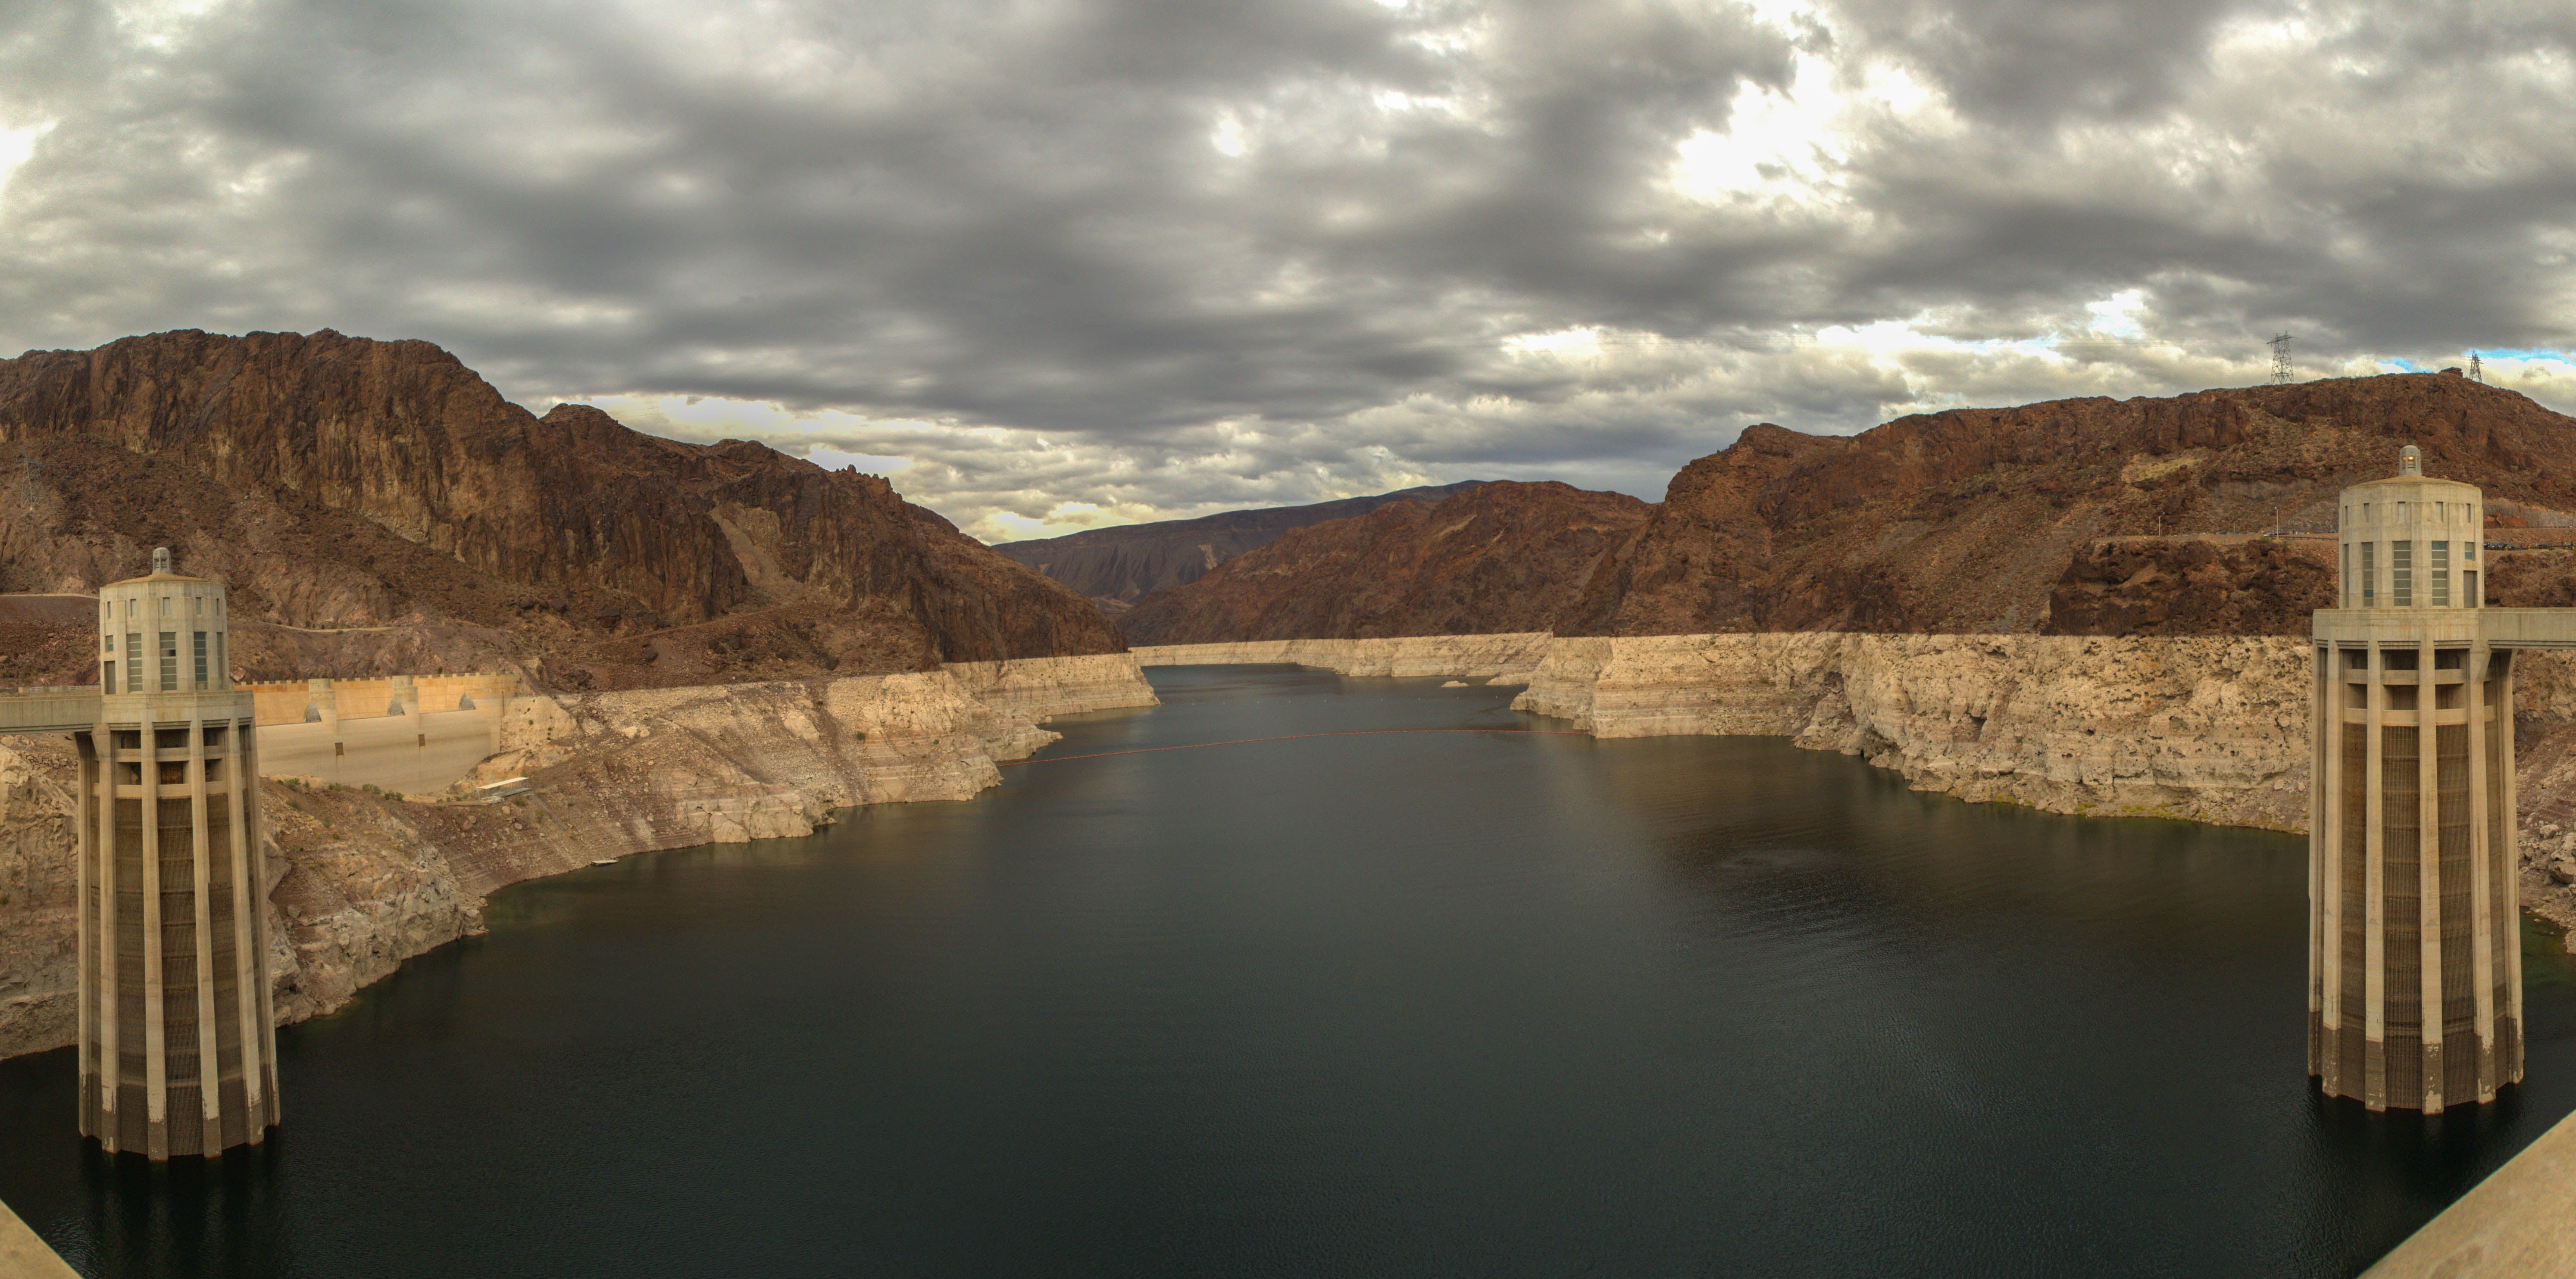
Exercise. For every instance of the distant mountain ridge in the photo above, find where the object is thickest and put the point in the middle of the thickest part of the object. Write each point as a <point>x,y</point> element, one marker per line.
<point>2146,516</point>
<point>1115,566</point>
<point>1503,556</point>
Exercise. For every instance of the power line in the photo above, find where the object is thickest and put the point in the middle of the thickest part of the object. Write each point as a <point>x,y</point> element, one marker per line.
<point>2280,358</point>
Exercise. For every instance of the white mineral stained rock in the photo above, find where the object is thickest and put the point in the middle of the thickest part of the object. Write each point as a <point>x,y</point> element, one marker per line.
<point>360,882</point>
<point>734,763</point>
<point>1040,687</point>
<point>356,886</point>
<point>2213,730</point>
<point>1495,659</point>
<point>39,956</point>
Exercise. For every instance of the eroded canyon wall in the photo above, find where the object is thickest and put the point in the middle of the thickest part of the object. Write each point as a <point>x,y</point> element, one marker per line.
<point>388,511</point>
<point>2211,730</point>
<point>2201,514</point>
<point>360,882</point>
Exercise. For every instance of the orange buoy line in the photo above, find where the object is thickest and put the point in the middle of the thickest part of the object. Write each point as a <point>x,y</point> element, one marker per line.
<point>1356,732</point>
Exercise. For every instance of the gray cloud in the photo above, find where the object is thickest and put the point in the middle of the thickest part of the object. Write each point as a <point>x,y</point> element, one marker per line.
<point>1110,259</point>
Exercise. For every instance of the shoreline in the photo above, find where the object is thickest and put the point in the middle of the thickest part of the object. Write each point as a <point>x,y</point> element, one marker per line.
<point>2197,729</point>
<point>358,882</point>
<point>2204,729</point>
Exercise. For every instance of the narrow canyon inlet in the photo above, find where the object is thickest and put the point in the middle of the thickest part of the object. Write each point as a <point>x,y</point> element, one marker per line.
<point>1331,999</point>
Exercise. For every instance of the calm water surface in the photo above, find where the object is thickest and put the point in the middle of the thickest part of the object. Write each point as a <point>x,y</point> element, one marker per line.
<point>1437,1004</point>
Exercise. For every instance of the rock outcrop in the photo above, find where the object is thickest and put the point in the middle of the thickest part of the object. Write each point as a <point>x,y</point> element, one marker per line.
<point>1498,557</point>
<point>39,955</point>
<point>362,882</point>
<point>2194,586</point>
<point>339,483</point>
<point>2206,729</point>
<point>2176,516</point>
<point>1970,521</point>
<point>1114,566</point>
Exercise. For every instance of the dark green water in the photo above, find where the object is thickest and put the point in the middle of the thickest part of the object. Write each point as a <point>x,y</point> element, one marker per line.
<point>1447,1004</point>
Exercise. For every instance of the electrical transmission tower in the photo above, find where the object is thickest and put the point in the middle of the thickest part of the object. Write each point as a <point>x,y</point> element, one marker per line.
<point>2477,370</point>
<point>2280,345</point>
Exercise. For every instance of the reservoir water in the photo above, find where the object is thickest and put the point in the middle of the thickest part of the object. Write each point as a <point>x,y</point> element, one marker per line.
<point>1482,1003</point>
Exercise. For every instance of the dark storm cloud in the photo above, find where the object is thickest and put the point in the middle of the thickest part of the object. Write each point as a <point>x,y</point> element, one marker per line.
<point>1116,258</point>
<point>2028,63</point>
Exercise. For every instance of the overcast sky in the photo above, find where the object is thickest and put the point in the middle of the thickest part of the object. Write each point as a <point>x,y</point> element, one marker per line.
<point>1060,263</point>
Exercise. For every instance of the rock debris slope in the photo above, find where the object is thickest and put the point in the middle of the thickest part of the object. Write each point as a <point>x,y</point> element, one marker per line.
<point>345,487</point>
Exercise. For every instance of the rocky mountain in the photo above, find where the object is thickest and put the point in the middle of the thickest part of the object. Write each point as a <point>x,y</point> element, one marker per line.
<point>1115,566</point>
<point>2200,514</point>
<point>378,506</point>
<point>1994,520</point>
<point>2194,586</point>
<point>1501,556</point>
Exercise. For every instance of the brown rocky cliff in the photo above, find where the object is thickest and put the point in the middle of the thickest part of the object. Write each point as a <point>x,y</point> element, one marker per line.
<point>2088,516</point>
<point>1498,557</point>
<point>1114,566</point>
<point>1970,521</point>
<point>340,482</point>
<point>2254,586</point>
<point>1702,552</point>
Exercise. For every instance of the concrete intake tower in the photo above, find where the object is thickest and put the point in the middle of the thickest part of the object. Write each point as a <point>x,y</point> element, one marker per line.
<point>2414,931</point>
<point>178,1055</point>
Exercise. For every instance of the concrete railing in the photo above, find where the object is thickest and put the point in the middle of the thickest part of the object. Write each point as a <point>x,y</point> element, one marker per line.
<point>49,710</point>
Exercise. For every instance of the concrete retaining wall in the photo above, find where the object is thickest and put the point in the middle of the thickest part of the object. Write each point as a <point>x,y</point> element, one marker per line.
<point>287,701</point>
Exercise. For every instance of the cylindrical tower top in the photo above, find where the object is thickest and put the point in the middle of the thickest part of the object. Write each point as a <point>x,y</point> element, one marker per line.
<point>163,633</point>
<point>2408,541</point>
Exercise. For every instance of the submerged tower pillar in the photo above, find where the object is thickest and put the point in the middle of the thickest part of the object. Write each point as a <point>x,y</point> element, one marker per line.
<point>2414,942</point>
<point>178,1052</point>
